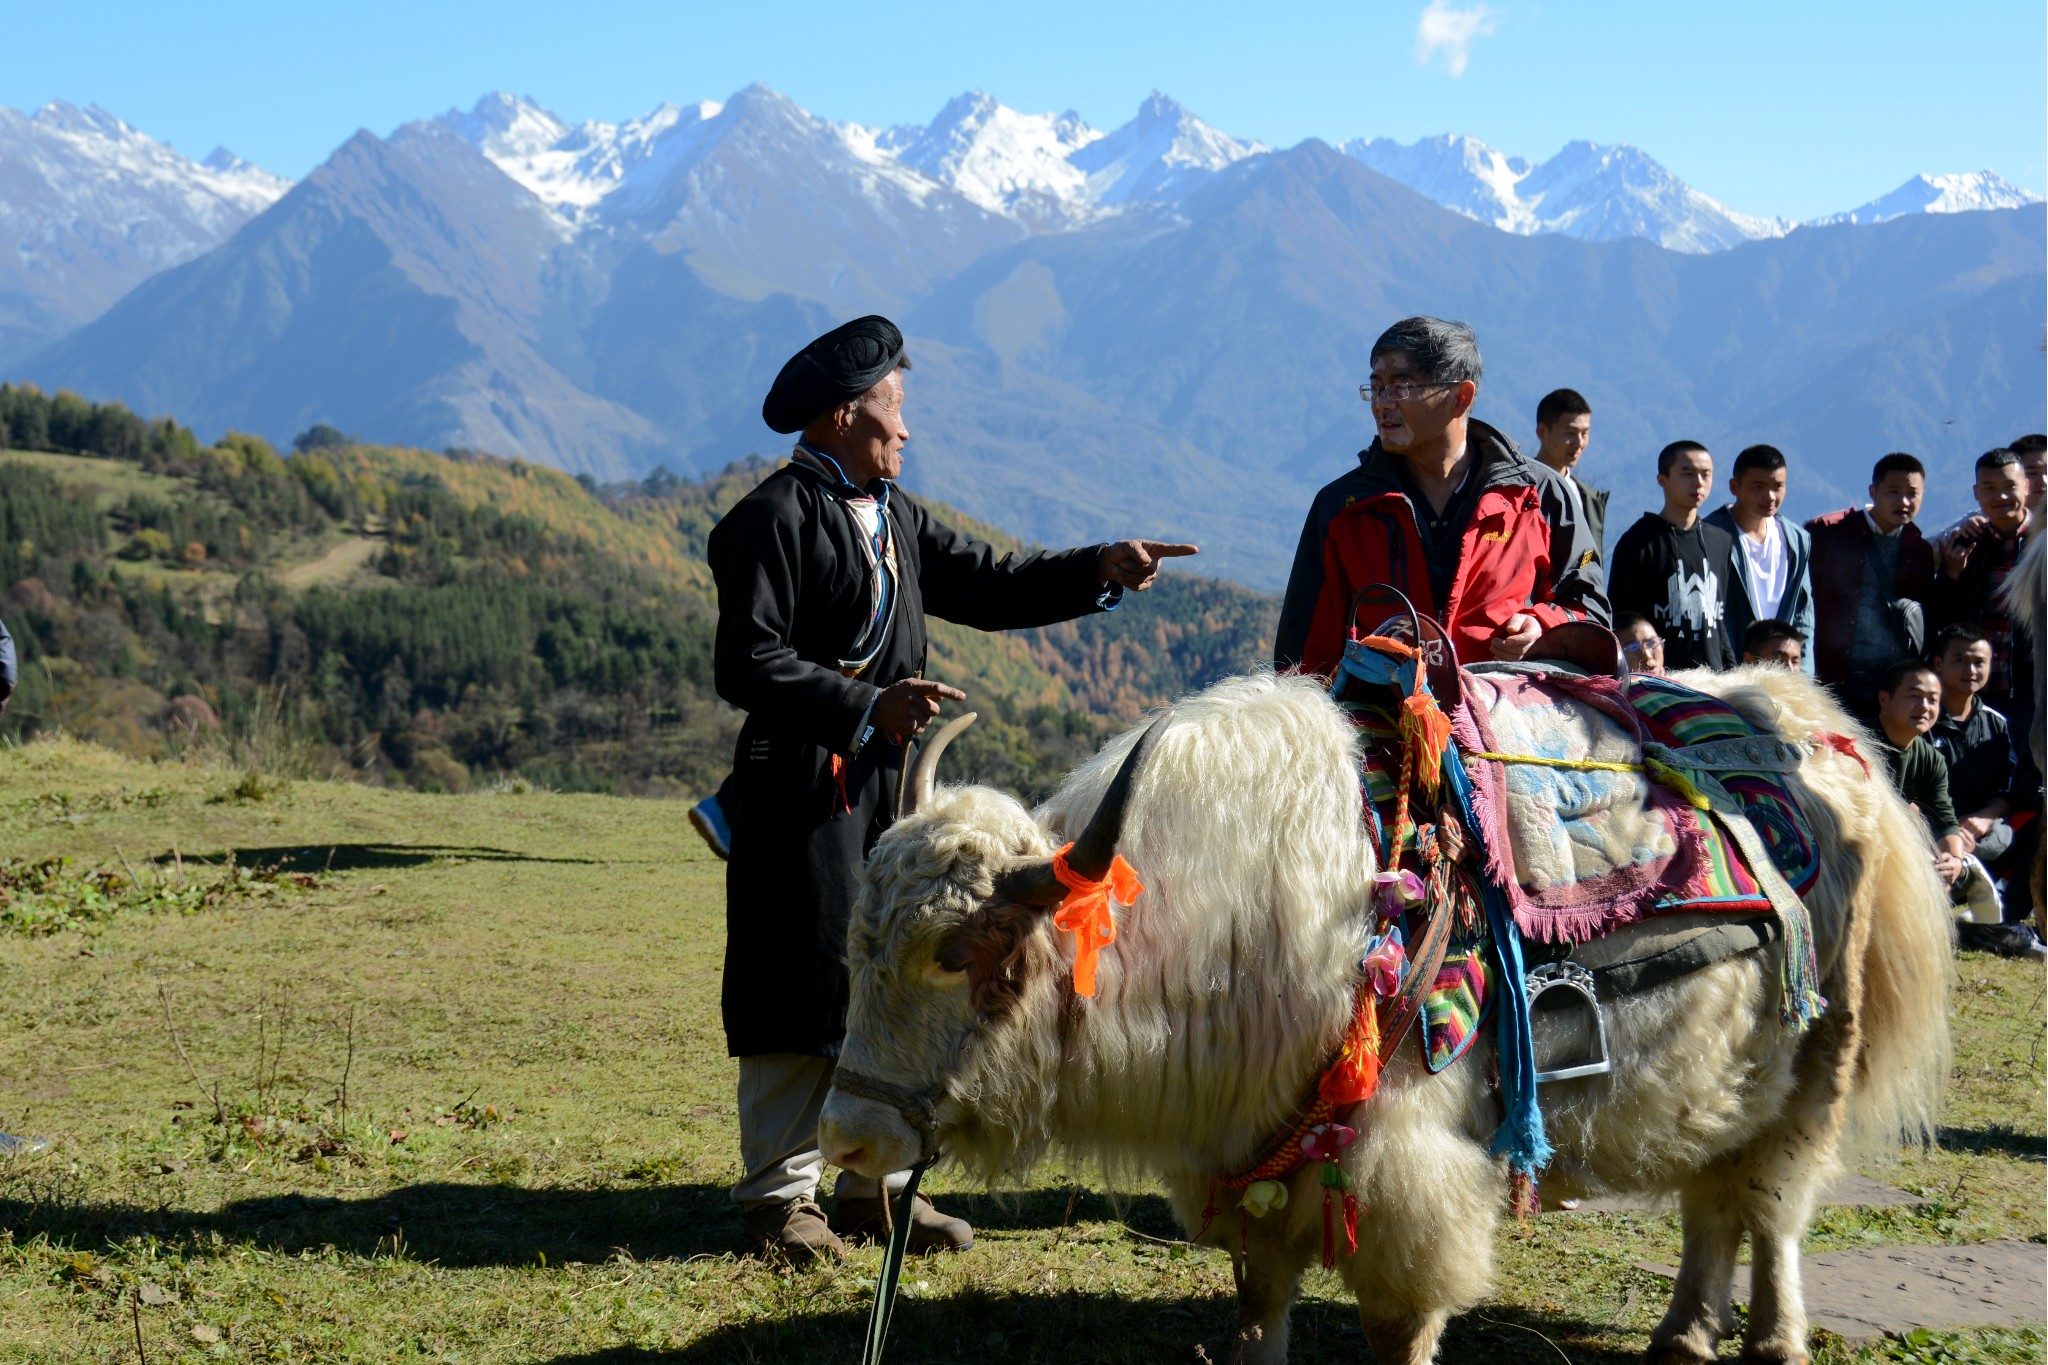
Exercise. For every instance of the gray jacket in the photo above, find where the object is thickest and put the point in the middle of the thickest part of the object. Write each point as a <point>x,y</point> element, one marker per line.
<point>1795,609</point>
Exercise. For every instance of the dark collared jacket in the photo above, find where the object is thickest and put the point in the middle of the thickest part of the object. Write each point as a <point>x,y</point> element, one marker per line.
<point>794,592</point>
<point>1841,548</point>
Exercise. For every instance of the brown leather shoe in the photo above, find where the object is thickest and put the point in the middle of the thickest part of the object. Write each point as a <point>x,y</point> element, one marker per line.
<point>795,1232</point>
<point>860,1220</point>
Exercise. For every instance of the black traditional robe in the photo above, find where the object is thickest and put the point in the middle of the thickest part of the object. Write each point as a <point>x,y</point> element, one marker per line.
<point>794,592</point>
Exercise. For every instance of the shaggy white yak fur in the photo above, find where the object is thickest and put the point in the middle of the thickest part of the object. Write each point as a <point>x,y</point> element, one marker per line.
<point>1231,980</point>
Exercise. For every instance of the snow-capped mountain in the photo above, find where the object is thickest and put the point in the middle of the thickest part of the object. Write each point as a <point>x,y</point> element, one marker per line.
<point>1966,193</point>
<point>1045,171</point>
<point>1461,173</point>
<point>1603,194</point>
<point>614,296</point>
<point>1158,156</point>
<point>1594,193</point>
<point>90,207</point>
<point>571,169</point>
<point>1010,163</point>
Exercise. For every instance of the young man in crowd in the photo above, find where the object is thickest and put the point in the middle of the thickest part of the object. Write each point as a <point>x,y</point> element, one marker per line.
<point>1974,742</point>
<point>1976,556</point>
<point>1444,508</point>
<point>1872,572</point>
<point>1773,560</point>
<point>1564,428</point>
<point>1771,641</point>
<point>1641,647</point>
<point>1672,567</point>
<point>2033,452</point>
<point>1908,701</point>
<point>1975,747</point>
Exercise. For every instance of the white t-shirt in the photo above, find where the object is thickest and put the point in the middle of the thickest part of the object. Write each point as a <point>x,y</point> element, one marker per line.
<point>1770,567</point>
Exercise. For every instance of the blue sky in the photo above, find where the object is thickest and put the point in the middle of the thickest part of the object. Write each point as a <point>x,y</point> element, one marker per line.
<point>1773,107</point>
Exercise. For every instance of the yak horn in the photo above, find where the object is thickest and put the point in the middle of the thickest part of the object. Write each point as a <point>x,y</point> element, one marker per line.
<point>926,774</point>
<point>1033,883</point>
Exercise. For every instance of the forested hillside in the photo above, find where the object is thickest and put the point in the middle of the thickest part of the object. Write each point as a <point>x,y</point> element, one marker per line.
<point>444,620</point>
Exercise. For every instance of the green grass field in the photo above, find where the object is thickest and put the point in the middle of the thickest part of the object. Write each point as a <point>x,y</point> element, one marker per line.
<point>456,1090</point>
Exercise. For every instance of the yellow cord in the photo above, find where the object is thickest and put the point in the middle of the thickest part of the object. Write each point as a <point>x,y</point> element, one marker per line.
<point>1663,772</point>
<point>1581,763</point>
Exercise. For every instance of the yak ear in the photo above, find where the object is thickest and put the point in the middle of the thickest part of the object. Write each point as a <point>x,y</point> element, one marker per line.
<point>988,945</point>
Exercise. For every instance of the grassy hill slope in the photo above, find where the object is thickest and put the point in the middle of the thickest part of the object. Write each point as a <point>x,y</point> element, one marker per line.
<point>439,620</point>
<point>474,1105</point>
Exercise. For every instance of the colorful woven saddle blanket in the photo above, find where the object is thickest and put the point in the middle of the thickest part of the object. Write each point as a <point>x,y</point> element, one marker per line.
<point>1584,840</point>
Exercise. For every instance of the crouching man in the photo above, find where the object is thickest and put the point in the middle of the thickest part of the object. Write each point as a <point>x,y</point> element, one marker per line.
<point>825,573</point>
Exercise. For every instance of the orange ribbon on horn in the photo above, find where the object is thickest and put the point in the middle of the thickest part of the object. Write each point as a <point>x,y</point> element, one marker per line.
<point>1085,912</point>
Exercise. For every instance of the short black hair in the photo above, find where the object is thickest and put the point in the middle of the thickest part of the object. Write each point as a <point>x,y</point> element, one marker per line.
<point>1902,669</point>
<point>1764,633</point>
<point>1966,631</point>
<point>1898,462</point>
<point>1626,621</point>
<point>1668,456</point>
<point>2034,444</point>
<point>1766,458</point>
<point>1444,352</point>
<point>2001,458</point>
<point>1562,403</point>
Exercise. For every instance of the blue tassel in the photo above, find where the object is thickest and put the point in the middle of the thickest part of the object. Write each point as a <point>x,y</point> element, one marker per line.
<point>1520,1137</point>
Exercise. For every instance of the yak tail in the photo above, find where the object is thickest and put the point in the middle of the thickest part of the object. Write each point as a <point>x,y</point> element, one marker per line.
<point>1908,963</point>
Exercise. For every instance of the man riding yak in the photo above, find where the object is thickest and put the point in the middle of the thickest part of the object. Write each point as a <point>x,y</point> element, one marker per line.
<point>824,574</point>
<point>1443,507</point>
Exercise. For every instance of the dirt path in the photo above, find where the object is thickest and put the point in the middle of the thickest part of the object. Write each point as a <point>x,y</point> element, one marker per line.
<point>1893,1290</point>
<point>337,564</point>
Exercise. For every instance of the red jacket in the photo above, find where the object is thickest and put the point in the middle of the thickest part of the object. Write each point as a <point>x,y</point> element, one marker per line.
<point>1525,548</point>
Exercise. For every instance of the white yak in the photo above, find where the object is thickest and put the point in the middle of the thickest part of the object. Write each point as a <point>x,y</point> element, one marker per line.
<point>1232,977</point>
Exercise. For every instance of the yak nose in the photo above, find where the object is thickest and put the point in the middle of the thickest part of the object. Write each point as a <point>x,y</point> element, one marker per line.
<point>843,1149</point>
<point>860,1136</point>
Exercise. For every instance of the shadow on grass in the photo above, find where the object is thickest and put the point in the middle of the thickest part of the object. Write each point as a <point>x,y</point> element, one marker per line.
<point>366,857</point>
<point>1035,1210</point>
<point>480,1225</point>
<point>1076,1328</point>
<point>455,1225</point>
<point>2001,1139</point>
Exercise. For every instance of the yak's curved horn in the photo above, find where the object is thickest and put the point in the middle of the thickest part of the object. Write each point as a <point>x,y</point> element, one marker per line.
<point>927,772</point>
<point>1033,883</point>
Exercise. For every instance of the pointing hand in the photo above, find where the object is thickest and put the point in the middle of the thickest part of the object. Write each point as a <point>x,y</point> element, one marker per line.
<point>904,708</point>
<point>1135,563</point>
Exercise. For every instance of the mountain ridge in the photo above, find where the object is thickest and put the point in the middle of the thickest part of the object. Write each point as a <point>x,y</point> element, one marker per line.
<point>1186,368</point>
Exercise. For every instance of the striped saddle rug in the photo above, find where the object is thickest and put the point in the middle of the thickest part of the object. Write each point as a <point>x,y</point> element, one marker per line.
<point>1582,851</point>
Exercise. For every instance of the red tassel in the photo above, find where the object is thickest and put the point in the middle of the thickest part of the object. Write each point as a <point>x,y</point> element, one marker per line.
<point>1351,1223</point>
<point>1842,744</point>
<point>839,783</point>
<point>1522,1195</point>
<point>1208,1212</point>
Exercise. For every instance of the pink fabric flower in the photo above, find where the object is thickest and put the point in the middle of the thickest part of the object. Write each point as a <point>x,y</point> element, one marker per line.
<point>1384,965</point>
<point>1326,1140</point>
<point>1398,890</point>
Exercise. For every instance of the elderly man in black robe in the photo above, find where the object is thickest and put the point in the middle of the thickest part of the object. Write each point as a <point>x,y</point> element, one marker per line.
<point>825,573</point>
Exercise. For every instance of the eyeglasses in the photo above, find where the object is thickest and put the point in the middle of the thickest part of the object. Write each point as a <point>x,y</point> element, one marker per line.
<point>1405,391</point>
<point>1642,646</point>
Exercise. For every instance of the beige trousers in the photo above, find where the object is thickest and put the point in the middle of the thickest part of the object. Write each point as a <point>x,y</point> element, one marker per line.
<point>781,1095</point>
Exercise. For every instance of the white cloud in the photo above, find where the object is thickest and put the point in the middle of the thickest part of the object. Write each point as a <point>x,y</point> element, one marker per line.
<point>1451,32</point>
